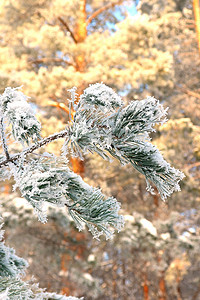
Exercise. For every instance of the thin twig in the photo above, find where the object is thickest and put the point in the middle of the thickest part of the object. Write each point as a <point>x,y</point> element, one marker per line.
<point>188,92</point>
<point>35,146</point>
<point>102,9</point>
<point>50,59</point>
<point>68,29</point>
<point>3,138</point>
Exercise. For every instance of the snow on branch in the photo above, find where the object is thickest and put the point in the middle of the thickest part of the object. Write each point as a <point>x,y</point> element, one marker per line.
<point>101,124</point>
<point>12,287</point>
<point>48,180</point>
<point>10,264</point>
<point>17,111</point>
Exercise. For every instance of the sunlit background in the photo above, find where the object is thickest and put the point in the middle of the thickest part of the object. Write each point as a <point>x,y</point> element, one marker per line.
<point>139,48</point>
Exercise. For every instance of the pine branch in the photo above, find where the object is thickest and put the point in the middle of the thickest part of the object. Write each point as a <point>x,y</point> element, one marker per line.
<point>68,29</point>
<point>102,125</point>
<point>102,9</point>
<point>49,180</point>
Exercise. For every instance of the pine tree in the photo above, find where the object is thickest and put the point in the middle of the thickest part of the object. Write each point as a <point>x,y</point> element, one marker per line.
<point>154,51</point>
<point>174,33</point>
<point>101,124</point>
<point>55,45</point>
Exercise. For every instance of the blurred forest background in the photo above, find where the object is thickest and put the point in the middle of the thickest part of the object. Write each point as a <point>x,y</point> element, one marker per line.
<point>142,48</point>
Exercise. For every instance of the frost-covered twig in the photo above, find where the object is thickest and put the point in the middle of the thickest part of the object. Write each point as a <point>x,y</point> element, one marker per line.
<point>37,145</point>
<point>3,138</point>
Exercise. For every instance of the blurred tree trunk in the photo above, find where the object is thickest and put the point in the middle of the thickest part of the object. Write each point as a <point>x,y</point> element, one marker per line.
<point>178,281</point>
<point>196,294</point>
<point>114,280</point>
<point>156,204</point>
<point>7,188</point>
<point>80,34</point>
<point>145,286</point>
<point>124,279</point>
<point>197,20</point>
<point>162,286</point>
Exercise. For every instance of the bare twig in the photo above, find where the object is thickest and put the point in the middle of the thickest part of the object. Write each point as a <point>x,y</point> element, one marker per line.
<point>102,9</point>
<point>68,29</point>
<point>50,59</point>
<point>194,165</point>
<point>190,93</point>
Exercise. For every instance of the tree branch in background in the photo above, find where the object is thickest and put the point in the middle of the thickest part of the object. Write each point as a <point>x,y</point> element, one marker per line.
<point>53,101</point>
<point>68,29</point>
<point>197,20</point>
<point>194,165</point>
<point>50,59</point>
<point>196,294</point>
<point>188,92</point>
<point>59,105</point>
<point>102,9</point>
<point>191,93</point>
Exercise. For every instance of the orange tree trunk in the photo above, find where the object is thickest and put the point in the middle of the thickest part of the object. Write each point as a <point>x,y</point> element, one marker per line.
<point>80,34</point>
<point>145,286</point>
<point>162,288</point>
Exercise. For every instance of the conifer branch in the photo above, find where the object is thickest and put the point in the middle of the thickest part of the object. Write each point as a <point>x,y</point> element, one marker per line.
<point>68,29</point>
<point>101,124</point>
<point>102,9</point>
